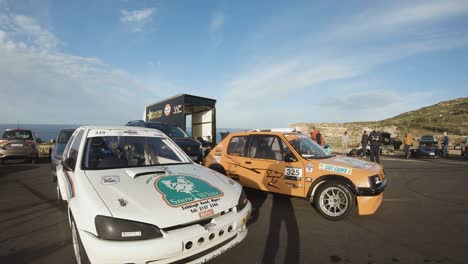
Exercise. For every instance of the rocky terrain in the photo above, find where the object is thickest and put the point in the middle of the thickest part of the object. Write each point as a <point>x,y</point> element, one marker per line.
<point>450,116</point>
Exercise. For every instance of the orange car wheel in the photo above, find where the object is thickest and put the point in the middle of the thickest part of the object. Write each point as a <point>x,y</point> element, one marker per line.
<point>334,200</point>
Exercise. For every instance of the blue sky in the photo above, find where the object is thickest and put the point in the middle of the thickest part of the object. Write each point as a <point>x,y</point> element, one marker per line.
<point>268,63</point>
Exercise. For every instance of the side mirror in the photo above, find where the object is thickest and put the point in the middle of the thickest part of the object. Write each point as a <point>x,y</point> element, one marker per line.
<point>52,141</point>
<point>69,164</point>
<point>290,158</point>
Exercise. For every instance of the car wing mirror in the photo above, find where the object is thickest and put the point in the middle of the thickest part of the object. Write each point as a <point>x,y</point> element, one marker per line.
<point>290,158</point>
<point>52,141</point>
<point>69,164</point>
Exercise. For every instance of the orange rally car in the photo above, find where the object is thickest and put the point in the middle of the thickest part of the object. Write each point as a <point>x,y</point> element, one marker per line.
<point>291,163</point>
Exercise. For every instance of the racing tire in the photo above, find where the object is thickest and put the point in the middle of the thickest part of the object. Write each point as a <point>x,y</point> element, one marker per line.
<point>80,253</point>
<point>334,200</point>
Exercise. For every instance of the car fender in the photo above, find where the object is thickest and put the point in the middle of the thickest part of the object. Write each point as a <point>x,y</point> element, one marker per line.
<point>86,204</point>
<point>327,178</point>
<point>61,182</point>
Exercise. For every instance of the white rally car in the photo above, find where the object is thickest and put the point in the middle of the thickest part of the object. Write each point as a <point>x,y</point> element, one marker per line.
<point>135,197</point>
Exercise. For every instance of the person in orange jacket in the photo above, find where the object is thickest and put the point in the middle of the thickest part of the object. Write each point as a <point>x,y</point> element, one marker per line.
<point>313,134</point>
<point>408,143</point>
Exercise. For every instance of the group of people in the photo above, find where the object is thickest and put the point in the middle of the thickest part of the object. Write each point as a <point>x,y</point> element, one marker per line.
<point>374,140</point>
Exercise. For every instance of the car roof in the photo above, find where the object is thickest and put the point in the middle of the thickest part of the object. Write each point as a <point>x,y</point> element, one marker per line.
<point>17,129</point>
<point>265,132</point>
<point>125,128</point>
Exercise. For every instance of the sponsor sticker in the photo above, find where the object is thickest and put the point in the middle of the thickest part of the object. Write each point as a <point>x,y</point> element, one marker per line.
<point>131,234</point>
<point>309,167</point>
<point>179,190</point>
<point>154,115</point>
<point>177,109</point>
<point>356,163</point>
<point>333,168</point>
<point>206,213</point>
<point>167,109</point>
<point>293,173</point>
<point>108,180</point>
<point>308,179</point>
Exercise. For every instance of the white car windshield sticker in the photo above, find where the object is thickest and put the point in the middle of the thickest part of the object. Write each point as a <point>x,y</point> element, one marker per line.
<point>333,168</point>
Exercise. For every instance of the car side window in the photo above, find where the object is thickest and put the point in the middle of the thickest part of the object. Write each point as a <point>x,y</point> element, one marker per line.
<point>73,152</point>
<point>265,147</point>
<point>236,146</point>
<point>67,148</point>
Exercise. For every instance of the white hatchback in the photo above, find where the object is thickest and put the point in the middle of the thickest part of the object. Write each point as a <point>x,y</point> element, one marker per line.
<point>135,197</point>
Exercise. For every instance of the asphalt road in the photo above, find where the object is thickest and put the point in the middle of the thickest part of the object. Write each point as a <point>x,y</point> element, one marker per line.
<point>423,219</point>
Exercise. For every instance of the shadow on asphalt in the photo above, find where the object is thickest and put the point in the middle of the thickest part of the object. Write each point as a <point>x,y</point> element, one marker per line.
<point>282,211</point>
<point>30,254</point>
<point>15,168</point>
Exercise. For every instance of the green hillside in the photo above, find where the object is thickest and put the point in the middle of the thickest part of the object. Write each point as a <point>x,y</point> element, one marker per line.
<point>450,116</point>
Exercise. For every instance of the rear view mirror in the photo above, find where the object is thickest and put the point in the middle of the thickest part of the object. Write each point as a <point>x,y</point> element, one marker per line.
<point>69,164</point>
<point>290,158</point>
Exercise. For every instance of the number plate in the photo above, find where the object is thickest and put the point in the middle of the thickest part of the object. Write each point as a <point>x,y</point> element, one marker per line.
<point>432,154</point>
<point>291,173</point>
<point>16,145</point>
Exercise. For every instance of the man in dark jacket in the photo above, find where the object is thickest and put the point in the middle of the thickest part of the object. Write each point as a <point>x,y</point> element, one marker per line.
<point>364,142</point>
<point>375,139</point>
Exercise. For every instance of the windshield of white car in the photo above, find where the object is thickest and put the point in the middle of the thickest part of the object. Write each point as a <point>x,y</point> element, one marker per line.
<point>113,152</point>
<point>306,147</point>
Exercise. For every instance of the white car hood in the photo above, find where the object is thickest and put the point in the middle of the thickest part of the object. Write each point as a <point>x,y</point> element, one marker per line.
<point>165,196</point>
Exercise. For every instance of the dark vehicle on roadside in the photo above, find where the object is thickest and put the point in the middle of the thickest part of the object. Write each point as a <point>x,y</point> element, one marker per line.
<point>18,144</point>
<point>189,145</point>
<point>428,148</point>
<point>390,141</point>
<point>464,146</point>
<point>57,150</point>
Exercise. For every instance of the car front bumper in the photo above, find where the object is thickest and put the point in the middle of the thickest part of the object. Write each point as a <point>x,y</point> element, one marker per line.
<point>172,247</point>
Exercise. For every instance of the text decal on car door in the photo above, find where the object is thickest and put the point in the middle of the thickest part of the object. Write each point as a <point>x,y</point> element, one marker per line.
<point>179,190</point>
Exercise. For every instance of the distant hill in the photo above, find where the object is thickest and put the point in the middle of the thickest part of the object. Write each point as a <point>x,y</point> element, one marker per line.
<point>450,116</point>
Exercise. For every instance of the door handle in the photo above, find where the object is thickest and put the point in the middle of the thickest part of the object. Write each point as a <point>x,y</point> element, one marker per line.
<point>248,162</point>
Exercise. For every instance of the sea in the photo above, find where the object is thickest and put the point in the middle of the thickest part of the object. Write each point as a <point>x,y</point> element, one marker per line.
<point>47,132</point>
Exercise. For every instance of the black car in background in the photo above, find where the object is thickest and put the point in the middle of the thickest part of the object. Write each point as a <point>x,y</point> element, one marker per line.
<point>190,146</point>
<point>428,148</point>
<point>57,150</point>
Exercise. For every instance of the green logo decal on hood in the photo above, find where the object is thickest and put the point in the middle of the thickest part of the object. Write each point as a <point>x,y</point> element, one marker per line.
<point>178,190</point>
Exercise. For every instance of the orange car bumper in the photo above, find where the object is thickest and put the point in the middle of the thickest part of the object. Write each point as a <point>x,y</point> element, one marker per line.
<point>369,204</point>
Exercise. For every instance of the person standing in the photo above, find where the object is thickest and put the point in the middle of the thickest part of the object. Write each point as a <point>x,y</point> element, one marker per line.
<point>375,139</point>
<point>313,134</point>
<point>345,142</point>
<point>319,138</point>
<point>364,142</point>
<point>408,143</point>
<point>445,142</point>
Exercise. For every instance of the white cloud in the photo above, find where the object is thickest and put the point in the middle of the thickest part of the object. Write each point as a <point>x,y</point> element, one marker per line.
<point>312,67</point>
<point>43,85</point>
<point>137,19</point>
<point>217,22</point>
<point>397,17</point>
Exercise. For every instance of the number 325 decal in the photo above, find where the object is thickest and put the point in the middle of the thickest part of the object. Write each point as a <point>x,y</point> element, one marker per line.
<point>293,173</point>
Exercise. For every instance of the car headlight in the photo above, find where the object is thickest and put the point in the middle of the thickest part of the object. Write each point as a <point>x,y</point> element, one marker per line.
<point>110,228</point>
<point>374,180</point>
<point>242,201</point>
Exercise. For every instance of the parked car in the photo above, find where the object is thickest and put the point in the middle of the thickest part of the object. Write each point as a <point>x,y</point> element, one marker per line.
<point>135,197</point>
<point>57,150</point>
<point>18,144</point>
<point>191,146</point>
<point>428,148</point>
<point>291,163</point>
<point>464,147</point>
